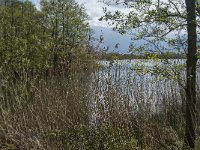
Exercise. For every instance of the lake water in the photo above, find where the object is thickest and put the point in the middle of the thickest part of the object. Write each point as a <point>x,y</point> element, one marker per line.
<point>138,84</point>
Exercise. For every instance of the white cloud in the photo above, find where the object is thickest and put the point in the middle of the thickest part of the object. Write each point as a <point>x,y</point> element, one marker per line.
<point>95,11</point>
<point>37,3</point>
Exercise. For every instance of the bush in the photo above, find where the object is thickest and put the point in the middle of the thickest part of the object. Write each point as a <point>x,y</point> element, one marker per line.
<point>96,138</point>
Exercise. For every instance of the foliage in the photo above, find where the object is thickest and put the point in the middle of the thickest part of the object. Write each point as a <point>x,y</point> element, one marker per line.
<point>173,22</point>
<point>197,143</point>
<point>86,138</point>
<point>160,25</point>
<point>36,41</point>
<point>148,55</point>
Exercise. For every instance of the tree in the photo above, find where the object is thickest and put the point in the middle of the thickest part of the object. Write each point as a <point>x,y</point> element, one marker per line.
<point>67,26</point>
<point>191,75</point>
<point>21,38</point>
<point>38,40</point>
<point>173,22</point>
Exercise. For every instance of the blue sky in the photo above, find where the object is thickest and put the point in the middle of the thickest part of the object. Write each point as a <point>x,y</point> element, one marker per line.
<point>36,2</point>
<point>95,11</point>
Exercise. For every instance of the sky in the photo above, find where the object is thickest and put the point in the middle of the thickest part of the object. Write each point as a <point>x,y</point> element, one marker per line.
<point>94,10</point>
<point>36,2</point>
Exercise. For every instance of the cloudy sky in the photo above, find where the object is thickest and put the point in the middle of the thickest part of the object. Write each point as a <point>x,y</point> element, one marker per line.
<point>95,11</point>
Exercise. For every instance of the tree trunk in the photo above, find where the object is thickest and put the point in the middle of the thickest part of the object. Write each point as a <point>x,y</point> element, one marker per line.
<point>190,117</point>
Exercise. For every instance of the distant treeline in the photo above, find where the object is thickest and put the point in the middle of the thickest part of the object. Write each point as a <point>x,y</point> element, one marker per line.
<point>148,55</point>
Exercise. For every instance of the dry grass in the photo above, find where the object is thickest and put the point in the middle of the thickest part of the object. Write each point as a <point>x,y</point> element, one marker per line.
<point>109,108</point>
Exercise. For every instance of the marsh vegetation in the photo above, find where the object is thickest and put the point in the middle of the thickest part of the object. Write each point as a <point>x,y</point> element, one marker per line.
<point>104,107</point>
<point>54,94</point>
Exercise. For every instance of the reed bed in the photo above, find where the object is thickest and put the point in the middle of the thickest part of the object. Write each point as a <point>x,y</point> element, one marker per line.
<point>109,107</point>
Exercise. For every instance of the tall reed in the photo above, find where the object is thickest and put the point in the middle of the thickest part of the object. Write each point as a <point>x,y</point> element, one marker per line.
<point>109,107</point>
